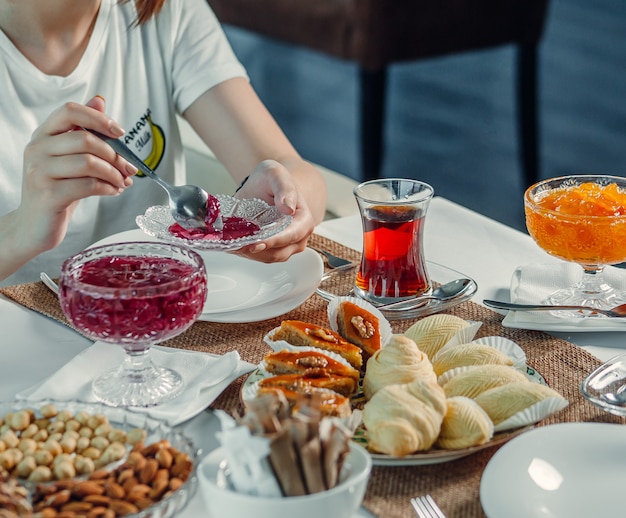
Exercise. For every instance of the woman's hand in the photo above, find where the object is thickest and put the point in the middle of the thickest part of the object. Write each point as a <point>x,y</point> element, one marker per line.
<point>273,183</point>
<point>61,167</point>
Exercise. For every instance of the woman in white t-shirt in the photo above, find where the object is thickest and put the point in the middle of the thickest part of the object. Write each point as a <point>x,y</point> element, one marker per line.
<point>126,69</point>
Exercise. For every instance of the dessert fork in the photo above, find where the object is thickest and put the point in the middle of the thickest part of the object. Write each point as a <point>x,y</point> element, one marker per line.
<point>426,507</point>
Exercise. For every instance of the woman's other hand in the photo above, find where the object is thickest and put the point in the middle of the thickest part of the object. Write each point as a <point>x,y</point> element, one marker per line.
<point>272,182</point>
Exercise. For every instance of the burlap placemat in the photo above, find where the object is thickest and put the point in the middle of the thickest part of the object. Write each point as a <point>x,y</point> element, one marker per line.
<point>455,484</point>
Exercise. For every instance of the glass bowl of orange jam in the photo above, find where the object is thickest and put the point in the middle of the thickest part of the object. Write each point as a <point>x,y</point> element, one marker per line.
<point>581,219</point>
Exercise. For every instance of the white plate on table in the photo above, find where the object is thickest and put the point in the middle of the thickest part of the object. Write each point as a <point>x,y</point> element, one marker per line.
<point>242,290</point>
<point>567,469</point>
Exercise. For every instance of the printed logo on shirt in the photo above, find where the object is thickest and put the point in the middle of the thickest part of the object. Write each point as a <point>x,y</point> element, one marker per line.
<point>147,140</point>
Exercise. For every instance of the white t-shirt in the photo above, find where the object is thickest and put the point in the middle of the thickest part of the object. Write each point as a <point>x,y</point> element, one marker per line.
<point>147,74</point>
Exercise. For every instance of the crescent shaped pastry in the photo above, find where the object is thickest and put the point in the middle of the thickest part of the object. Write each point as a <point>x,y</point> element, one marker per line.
<point>431,393</point>
<point>468,354</point>
<point>431,333</point>
<point>478,378</point>
<point>398,423</point>
<point>502,402</point>
<point>465,425</point>
<point>400,361</point>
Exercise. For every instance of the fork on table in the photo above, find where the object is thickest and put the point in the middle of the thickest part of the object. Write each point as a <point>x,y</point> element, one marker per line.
<point>333,261</point>
<point>426,507</point>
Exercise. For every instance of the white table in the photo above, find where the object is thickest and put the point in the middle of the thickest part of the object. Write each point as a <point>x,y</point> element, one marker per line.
<point>33,346</point>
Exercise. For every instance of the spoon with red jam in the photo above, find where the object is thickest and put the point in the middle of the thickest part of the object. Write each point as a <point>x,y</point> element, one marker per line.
<point>188,203</point>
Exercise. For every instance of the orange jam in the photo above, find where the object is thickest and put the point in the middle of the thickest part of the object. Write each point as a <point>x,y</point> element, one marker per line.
<point>583,223</point>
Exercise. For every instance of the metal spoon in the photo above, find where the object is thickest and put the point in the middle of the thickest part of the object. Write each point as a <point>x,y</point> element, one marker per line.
<point>619,311</point>
<point>188,203</point>
<point>443,293</point>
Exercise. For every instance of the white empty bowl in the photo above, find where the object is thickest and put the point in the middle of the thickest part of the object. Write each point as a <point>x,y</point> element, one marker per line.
<point>341,501</point>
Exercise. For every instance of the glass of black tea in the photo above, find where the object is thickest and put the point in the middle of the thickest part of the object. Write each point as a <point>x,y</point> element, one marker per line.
<point>393,266</point>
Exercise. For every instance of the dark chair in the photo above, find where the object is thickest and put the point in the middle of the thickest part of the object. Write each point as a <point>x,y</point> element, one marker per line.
<point>377,33</point>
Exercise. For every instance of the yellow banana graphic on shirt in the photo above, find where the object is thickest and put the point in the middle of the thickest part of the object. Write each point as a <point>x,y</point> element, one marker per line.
<point>158,147</point>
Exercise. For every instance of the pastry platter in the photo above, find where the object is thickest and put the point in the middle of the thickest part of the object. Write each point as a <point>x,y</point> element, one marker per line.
<point>399,378</point>
<point>433,456</point>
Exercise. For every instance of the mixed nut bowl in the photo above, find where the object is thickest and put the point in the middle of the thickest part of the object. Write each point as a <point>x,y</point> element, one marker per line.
<point>83,458</point>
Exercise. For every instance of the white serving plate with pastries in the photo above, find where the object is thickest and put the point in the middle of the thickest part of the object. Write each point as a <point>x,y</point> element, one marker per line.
<point>433,456</point>
<point>398,372</point>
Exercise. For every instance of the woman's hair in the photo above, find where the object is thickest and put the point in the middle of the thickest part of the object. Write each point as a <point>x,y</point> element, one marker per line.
<point>146,9</point>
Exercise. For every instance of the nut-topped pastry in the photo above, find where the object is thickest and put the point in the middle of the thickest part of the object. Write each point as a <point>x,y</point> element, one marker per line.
<point>299,333</point>
<point>317,378</point>
<point>359,326</point>
<point>360,323</point>
<point>294,362</point>
<point>328,402</point>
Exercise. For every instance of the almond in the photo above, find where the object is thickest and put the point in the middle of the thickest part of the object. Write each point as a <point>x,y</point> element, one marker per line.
<point>160,483</point>
<point>149,471</point>
<point>175,483</point>
<point>58,499</point>
<point>98,512</point>
<point>86,488</point>
<point>125,475</point>
<point>164,457</point>
<point>136,460</point>
<point>99,500</point>
<point>114,490</point>
<point>144,503</point>
<point>182,468</point>
<point>137,491</point>
<point>122,507</point>
<point>76,507</point>
<point>100,474</point>
<point>129,483</point>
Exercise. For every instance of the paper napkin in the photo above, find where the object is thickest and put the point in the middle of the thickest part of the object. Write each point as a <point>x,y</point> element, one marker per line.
<point>533,283</point>
<point>200,372</point>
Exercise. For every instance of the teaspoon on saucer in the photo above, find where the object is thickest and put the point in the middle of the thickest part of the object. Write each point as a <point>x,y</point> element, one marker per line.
<point>443,293</point>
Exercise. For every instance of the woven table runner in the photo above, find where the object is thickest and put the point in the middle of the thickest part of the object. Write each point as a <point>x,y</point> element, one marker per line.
<point>454,485</point>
